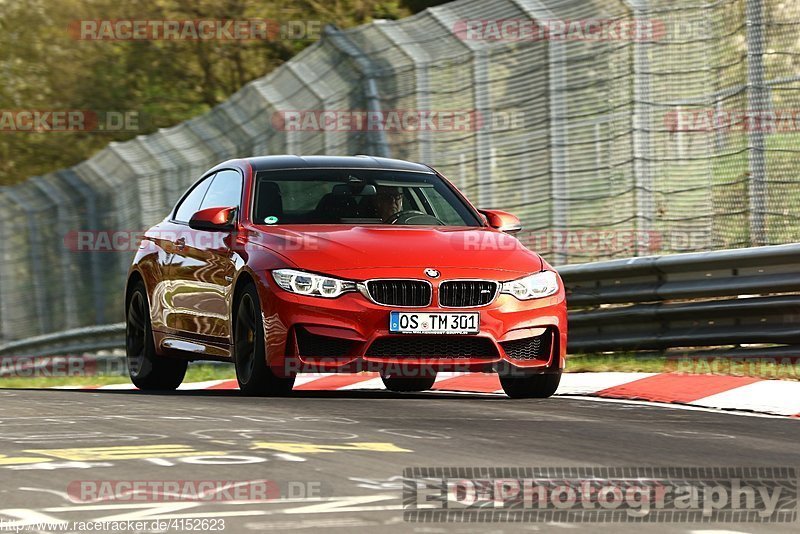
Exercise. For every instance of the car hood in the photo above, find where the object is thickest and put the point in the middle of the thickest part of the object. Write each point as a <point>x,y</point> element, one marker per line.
<point>363,252</point>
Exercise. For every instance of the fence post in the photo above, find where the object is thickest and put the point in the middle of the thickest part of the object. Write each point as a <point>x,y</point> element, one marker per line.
<point>559,134</point>
<point>483,141</point>
<point>559,150</point>
<point>420,57</point>
<point>61,204</point>
<point>35,246</point>
<point>340,41</point>
<point>642,142</point>
<point>758,103</point>
<point>5,302</point>
<point>482,106</point>
<point>92,219</point>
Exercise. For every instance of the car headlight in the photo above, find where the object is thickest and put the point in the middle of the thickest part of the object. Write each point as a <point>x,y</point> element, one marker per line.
<point>313,285</point>
<point>535,286</point>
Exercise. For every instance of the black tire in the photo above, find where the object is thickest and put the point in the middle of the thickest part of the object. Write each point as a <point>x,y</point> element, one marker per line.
<point>538,386</point>
<point>249,355</point>
<point>148,370</point>
<point>408,383</point>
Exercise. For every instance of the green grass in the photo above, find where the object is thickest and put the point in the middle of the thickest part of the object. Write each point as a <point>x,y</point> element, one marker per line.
<point>195,373</point>
<point>199,372</point>
<point>47,382</point>
<point>783,369</point>
<point>596,363</point>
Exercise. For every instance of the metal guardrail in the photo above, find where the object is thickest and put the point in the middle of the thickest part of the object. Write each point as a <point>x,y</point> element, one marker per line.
<point>75,341</point>
<point>710,299</point>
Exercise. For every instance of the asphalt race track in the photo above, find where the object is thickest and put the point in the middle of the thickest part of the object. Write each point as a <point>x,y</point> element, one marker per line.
<point>338,457</point>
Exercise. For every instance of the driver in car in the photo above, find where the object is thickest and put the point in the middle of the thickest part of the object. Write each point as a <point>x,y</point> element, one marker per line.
<point>388,202</point>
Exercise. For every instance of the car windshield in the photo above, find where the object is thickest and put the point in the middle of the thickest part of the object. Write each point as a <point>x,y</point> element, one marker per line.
<point>357,197</point>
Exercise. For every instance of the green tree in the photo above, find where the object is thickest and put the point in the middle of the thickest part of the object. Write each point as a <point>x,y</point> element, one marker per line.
<point>45,67</point>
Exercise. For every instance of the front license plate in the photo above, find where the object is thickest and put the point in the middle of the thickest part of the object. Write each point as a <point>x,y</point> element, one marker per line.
<point>434,323</point>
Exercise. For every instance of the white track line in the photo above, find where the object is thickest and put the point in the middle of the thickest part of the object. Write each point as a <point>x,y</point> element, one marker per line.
<point>306,378</point>
<point>372,383</point>
<point>588,383</point>
<point>193,386</point>
<point>671,406</point>
<point>772,396</point>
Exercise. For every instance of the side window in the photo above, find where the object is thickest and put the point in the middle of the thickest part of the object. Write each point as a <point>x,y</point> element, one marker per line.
<point>225,191</point>
<point>191,203</point>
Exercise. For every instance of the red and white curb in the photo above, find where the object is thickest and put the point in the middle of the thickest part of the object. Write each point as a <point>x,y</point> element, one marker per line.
<point>777,397</point>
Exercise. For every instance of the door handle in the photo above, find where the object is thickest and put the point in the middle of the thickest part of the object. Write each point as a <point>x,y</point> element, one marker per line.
<point>180,243</point>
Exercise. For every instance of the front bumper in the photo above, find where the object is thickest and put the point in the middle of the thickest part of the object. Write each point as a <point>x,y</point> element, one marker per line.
<point>350,334</point>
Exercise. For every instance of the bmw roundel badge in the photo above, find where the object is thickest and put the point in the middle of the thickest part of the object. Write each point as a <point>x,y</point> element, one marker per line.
<point>431,273</point>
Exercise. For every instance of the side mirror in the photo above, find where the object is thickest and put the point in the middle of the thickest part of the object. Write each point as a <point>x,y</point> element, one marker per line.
<point>213,219</point>
<point>502,220</point>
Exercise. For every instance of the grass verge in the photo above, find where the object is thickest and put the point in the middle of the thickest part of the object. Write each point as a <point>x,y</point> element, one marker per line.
<point>195,373</point>
<point>781,368</point>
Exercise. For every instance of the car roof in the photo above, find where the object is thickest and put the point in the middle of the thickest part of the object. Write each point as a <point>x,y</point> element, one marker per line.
<point>266,163</point>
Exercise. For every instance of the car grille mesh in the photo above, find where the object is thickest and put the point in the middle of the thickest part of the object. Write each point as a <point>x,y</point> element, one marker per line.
<point>430,346</point>
<point>466,293</point>
<point>529,348</point>
<point>400,292</point>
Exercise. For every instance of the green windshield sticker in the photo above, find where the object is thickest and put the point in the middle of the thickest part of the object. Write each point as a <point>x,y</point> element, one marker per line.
<point>271,219</point>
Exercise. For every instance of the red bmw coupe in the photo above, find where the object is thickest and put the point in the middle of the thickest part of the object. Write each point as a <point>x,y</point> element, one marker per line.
<point>288,264</point>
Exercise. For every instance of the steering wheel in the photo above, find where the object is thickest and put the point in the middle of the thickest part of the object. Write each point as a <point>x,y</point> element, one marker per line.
<point>414,217</point>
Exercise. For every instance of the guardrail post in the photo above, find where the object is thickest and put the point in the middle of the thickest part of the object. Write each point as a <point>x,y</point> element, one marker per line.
<point>758,103</point>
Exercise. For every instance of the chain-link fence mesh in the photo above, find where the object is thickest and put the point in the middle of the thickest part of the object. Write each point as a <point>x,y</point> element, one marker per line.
<point>632,143</point>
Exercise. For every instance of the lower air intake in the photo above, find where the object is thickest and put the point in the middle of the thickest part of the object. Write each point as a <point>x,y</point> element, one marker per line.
<point>433,347</point>
<point>529,348</point>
